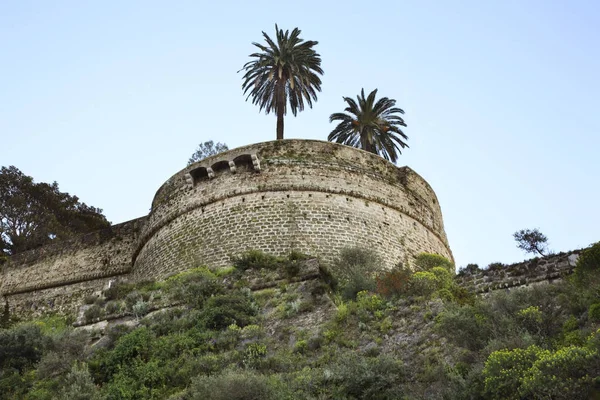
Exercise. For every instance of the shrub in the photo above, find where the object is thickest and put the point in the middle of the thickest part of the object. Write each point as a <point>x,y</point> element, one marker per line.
<point>504,370</point>
<point>93,313</point>
<point>427,261</point>
<point>223,310</point>
<point>193,287</point>
<point>79,385</point>
<point>21,346</point>
<point>470,269</point>
<point>394,282</point>
<point>356,377</point>
<point>140,309</point>
<point>301,346</point>
<point>232,385</point>
<point>594,312</point>
<point>495,266</point>
<point>256,259</point>
<point>355,269</point>
<point>423,283</point>
<point>588,265</point>
<point>567,373</point>
<point>113,307</point>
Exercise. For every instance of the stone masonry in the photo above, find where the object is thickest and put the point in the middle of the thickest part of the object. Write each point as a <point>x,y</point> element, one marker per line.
<point>310,196</point>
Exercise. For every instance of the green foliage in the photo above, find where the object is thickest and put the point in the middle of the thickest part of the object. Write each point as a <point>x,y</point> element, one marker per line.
<point>470,269</point>
<point>33,214</point>
<point>594,312</point>
<point>93,313</point>
<point>567,373</point>
<point>533,372</point>
<point>220,311</point>
<point>286,68</point>
<point>495,266</point>
<point>424,283</point>
<point>355,270</point>
<point>374,126</point>
<point>531,317</point>
<point>79,385</point>
<point>233,385</point>
<point>194,287</point>
<point>373,378</point>
<point>504,371</point>
<point>21,346</point>
<point>256,259</point>
<point>531,241</point>
<point>427,261</point>
<point>207,149</point>
<point>588,265</point>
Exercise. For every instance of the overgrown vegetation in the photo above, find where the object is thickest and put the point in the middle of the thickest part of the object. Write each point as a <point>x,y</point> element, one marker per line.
<point>399,334</point>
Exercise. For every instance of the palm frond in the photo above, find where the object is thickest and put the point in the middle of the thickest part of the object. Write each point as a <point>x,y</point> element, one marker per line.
<point>371,125</point>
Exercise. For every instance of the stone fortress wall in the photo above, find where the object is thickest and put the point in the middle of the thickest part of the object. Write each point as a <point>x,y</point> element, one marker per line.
<point>547,269</point>
<point>57,277</point>
<point>311,196</point>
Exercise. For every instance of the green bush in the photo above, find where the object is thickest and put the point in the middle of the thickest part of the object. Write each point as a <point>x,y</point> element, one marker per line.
<point>373,378</point>
<point>21,346</point>
<point>355,271</point>
<point>427,261</point>
<point>495,266</point>
<point>93,313</point>
<point>587,268</point>
<point>568,373</point>
<point>233,385</point>
<point>194,287</point>
<point>470,269</point>
<point>223,310</point>
<point>594,312</point>
<point>423,283</point>
<point>504,371</point>
<point>256,259</point>
<point>79,385</point>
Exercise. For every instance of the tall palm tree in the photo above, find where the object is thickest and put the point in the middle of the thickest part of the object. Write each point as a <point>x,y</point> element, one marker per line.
<point>374,126</point>
<point>285,69</point>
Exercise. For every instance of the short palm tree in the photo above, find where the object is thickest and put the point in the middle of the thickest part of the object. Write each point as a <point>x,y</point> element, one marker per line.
<point>373,126</point>
<point>285,69</point>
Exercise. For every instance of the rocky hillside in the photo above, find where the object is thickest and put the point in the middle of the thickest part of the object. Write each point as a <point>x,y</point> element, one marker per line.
<point>273,328</point>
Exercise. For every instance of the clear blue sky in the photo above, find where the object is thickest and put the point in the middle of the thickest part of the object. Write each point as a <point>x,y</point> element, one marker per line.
<point>110,98</point>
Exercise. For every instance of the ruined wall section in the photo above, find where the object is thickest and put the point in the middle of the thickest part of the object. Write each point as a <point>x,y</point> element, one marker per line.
<point>311,196</point>
<point>52,277</point>
<point>538,270</point>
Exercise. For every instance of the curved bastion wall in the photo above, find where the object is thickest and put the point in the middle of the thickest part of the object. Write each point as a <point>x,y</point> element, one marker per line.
<point>309,196</point>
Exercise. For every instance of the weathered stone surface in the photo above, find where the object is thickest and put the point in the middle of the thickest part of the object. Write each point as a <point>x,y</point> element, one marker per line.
<point>310,196</point>
<point>537,270</point>
<point>56,278</point>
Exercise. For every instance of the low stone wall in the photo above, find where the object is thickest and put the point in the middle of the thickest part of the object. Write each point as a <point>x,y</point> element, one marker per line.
<point>537,270</point>
<point>51,277</point>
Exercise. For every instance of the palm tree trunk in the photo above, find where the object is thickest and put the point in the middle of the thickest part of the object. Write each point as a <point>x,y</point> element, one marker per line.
<point>279,123</point>
<point>280,107</point>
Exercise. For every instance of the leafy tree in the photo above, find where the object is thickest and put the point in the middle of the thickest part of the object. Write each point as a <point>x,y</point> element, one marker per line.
<point>33,214</point>
<point>287,68</point>
<point>531,241</point>
<point>207,149</point>
<point>372,126</point>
